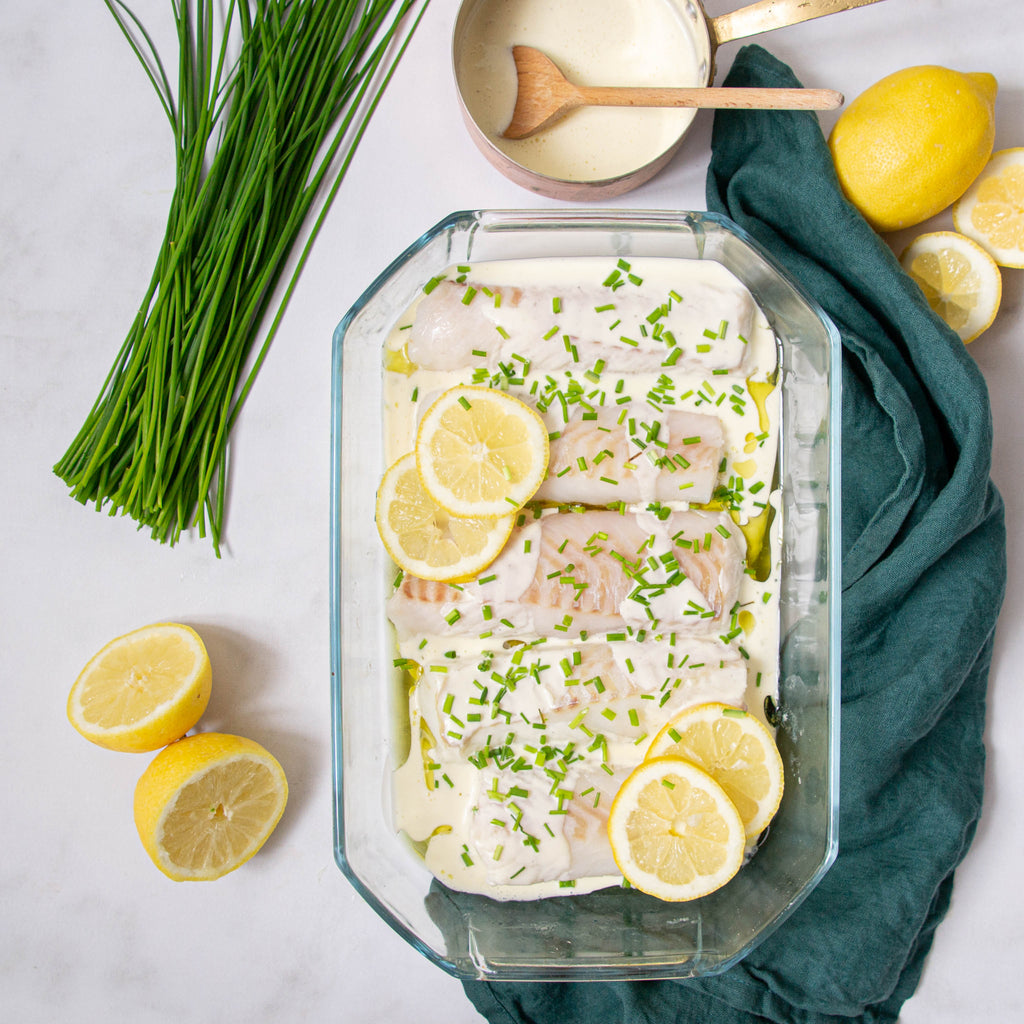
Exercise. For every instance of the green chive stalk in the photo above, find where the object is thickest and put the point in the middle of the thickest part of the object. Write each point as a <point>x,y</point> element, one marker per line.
<point>272,98</point>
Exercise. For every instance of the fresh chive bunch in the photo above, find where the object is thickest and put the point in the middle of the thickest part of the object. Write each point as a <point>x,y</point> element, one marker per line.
<point>273,96</point>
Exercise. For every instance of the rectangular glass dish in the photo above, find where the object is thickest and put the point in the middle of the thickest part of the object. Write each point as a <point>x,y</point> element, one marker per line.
<point>615,933</point>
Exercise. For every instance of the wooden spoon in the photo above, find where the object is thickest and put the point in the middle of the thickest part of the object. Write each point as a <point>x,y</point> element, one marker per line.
<point>545,95</point>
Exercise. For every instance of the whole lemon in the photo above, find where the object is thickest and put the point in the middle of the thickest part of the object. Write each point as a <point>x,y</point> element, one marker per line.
<point>911,144</point>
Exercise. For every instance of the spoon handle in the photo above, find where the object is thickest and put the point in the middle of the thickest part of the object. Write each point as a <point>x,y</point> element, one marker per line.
<point>726,97</point>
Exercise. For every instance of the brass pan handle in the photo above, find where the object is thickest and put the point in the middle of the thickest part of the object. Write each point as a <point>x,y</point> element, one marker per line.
<point>771,14</point>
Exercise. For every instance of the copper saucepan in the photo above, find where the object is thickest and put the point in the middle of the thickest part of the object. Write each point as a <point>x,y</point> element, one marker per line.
<point>706,35</point>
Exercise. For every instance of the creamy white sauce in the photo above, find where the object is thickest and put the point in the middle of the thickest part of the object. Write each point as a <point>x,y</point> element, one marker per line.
<point>593,42</point>
<point>442,801</point>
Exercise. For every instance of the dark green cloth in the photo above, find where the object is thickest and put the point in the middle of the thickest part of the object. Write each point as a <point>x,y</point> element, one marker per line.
<point>923,574</point>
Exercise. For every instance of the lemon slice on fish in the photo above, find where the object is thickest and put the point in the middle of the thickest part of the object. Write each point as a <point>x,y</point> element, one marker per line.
<point>424,539</point>
<point>960,280</point>
<point>481,452</point>
<point>674,832</point>
<point>736,749</point>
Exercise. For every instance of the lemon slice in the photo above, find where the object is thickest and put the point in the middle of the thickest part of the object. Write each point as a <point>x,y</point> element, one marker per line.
<point>481,452</point>
<point>207,803</point>
<point>959,279</point>
<point>424,539</point>
<point>737,750</point>
<point>143,690</point>
<point>673,831</point>
<point>991,211</point>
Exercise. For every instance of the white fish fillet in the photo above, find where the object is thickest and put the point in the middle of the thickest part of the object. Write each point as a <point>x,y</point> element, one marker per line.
<point>593,572</point>
<point>623,691</point>
<point>623,329</point>
<point>527,828</point>
<point>613,454</point>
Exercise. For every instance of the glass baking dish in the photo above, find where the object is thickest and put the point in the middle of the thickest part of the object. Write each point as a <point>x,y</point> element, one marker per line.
<point>616,933</point>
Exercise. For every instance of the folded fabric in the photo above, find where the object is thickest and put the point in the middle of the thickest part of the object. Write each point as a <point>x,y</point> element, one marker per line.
<point>923,575</point>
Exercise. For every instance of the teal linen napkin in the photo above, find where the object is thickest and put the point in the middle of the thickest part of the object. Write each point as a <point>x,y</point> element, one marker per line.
<point>923,574</point>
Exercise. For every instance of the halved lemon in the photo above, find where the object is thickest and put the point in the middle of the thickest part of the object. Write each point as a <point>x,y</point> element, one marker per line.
<point>426,540</point>
<point>207,803</point>
<point>481,452</point>
<point>737,750</point>
<point>991,211</point>
<point>673,831</point>
<point>959,279</point>
<point>143,690</point>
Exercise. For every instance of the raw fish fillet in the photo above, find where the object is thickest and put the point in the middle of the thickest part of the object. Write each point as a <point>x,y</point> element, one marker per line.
<point>594,572</point>
<point>526,830</point>
<point>632,456</point>
<point>625,691</point>
<point>623,329</point>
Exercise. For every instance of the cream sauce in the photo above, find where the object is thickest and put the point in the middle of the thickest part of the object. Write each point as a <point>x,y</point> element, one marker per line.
<point>593,42</point>
<point>444,803</point>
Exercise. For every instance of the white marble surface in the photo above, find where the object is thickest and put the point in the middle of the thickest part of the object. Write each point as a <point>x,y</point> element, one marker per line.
<point>91,930</point>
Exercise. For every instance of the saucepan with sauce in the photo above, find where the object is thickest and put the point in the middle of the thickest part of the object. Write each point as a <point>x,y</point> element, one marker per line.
<point>598,153</point>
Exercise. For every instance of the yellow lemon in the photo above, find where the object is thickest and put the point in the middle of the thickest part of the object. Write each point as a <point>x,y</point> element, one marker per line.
<point>424,539</point>
<point>991,211</point>
<point>481,452</point>
<point>959,279</point>
<point>911,144</point>
<point>143,690</point>
<point>673,831</point>
<point>736,750</point>
<point>207,803</point>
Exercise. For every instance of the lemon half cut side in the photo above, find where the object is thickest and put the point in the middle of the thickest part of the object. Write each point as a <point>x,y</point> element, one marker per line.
<point>674,832</point>
<point>960,280</point>
<point>143,690</point>
<point>481,452</point>
<point>991,211</point>
<point>207,803</point>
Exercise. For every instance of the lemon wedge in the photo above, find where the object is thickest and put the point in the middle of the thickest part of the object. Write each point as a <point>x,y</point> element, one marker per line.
<point>737,750</point>
<point>207,803</point>
<point>991,211</point>
<point>424,539</point>
<point>674,832</point>
<point>143,690</point>
<point>481,452</point>
<point>959,279</point>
